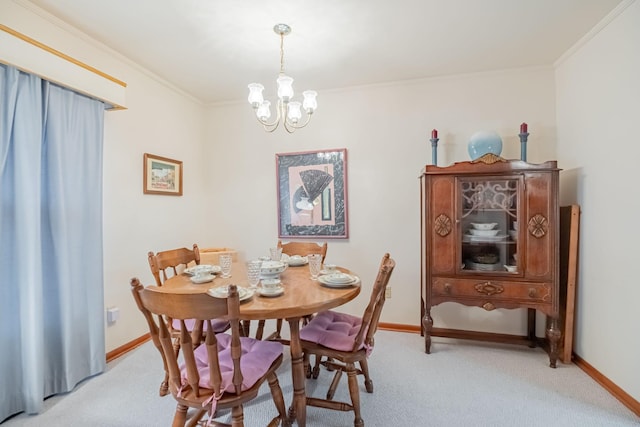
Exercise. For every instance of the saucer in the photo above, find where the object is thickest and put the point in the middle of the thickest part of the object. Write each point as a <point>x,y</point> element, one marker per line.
<point>202,278</point>
<point>272,292</point>
<point>223,292</point>
<point>202,269</point>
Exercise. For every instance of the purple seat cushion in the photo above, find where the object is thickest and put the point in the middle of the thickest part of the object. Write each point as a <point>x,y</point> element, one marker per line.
<point>218,325</point>
<point>333,330</point>
<point>257,357</point>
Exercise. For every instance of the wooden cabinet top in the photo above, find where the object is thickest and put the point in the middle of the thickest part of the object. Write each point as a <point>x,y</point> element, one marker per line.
<point>489,164</point>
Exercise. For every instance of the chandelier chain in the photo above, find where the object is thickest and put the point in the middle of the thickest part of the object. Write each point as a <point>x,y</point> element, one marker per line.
<point>281,53</point>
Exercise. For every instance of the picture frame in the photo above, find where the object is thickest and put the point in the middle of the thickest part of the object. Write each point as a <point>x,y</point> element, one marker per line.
<point>312,194</point>
<point>162,175</point>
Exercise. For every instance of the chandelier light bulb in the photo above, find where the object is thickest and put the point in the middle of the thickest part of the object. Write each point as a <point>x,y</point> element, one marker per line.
<point>264,111</point>
<point>310,103</point>
<point>285,88</point>
<point>293,111</point>
<point>289,112</point>
<point>255,94</point>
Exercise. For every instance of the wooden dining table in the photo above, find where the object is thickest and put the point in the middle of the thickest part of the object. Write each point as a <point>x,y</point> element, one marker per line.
<point>302,297</point>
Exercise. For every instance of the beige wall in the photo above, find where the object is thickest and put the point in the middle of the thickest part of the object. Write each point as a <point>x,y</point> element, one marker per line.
<point>385,130</point>
<point>598,104</point>
<point>230,191</point>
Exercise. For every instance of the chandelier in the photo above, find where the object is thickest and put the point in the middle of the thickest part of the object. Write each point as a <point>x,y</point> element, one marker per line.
<point>289,112</point>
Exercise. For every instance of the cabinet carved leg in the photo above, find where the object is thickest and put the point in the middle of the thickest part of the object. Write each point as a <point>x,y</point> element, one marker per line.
<point>427,325</point>
<point>531,327</point>
<point>553,335</point>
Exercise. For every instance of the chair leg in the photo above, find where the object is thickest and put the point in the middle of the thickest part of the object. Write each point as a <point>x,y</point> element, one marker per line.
<point>364,367</point>
<point>176,346</point>
<point>278,328</point>
<point>355,394</point>
<point>237,416</point>
<point>193,422</point>
<point>278,398</point>
<point>164,385</point>
<point>246,328</point>
<point>334,384</point>
<point>306,364</point>
<point>181,416</point>
<point>260,330</point>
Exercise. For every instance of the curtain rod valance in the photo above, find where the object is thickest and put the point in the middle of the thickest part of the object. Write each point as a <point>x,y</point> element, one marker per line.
<point>34,57</point>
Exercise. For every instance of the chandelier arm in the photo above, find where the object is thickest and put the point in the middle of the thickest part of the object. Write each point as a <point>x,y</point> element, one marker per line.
<point>270,127</point>
<point>295,126</point>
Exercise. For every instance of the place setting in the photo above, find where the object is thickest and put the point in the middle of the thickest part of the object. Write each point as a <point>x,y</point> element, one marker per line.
<point>271,288</point>
<point>244,293</point>
<point>338,280</point>
<point>203,273</point>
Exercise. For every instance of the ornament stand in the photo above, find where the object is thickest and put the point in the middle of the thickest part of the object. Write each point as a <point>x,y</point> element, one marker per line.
<point>434,151</point>
<point>523,145</point>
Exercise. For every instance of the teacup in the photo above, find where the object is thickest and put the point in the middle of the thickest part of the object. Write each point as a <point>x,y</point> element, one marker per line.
<point>330,268</point>
<point>271,285</point>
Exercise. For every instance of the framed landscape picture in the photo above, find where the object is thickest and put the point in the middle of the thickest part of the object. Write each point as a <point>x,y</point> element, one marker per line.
<point>162,175</point>
<point>312,194</point>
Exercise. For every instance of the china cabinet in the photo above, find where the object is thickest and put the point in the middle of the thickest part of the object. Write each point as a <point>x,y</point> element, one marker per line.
<point>490,239</point>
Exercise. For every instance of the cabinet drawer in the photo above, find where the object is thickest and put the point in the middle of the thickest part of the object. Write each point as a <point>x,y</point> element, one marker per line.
<point>492,289</point>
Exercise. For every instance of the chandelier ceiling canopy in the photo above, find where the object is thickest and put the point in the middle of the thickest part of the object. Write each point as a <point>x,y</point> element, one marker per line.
<point>288,111</point>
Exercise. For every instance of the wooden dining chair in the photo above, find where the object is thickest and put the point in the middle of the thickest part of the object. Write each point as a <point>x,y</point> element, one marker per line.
<point>171,261</point>
<point>346,340</point>
<point>293,248</point>
<point>226,371</point>
<point>164,265</point>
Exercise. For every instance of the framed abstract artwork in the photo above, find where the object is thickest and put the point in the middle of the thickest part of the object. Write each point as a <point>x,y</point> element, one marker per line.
<point>162,176</point>
<point>312,194</point>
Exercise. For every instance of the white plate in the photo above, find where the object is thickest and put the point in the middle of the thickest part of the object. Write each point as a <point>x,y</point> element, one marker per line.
<point>484,233</point>
<point>272,293</point>
<point>338,278</point>
<point>204,278</point>
<point>470,265</point>
<point>323,271</point>
<point>469,238</point>
<point>323,281</point>
<point>223,292</point>
<point>484,225</point>
<point>202,268</point>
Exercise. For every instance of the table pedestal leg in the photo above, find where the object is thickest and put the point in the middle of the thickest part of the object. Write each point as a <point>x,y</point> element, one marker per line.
<point>299,406</point>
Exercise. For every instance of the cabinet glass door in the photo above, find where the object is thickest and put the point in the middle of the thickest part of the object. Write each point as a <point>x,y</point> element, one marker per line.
<point>488,218</point>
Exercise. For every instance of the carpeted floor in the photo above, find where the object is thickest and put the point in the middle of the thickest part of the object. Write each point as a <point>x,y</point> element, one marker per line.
<point>461,383</point>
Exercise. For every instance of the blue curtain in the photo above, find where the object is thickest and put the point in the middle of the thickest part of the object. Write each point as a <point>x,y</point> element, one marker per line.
<point>51,271</point>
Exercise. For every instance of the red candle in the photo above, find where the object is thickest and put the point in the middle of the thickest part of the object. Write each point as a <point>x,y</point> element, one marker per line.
<point>434,133</point>
<point>523,128</point>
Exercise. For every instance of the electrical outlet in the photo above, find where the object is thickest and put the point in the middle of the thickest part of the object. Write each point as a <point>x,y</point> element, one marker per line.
<point>113,313</point>
<point>387,292</point>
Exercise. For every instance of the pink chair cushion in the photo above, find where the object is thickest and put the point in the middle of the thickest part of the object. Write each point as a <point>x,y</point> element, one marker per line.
<point>333,330</point>
<point>257,357</point>
<point>218,325</point>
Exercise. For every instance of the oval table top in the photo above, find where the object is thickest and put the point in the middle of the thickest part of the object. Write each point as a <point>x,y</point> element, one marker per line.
<point>302,296</point>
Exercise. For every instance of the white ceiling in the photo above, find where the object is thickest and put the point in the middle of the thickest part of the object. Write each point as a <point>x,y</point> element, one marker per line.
<point>211,49</point>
